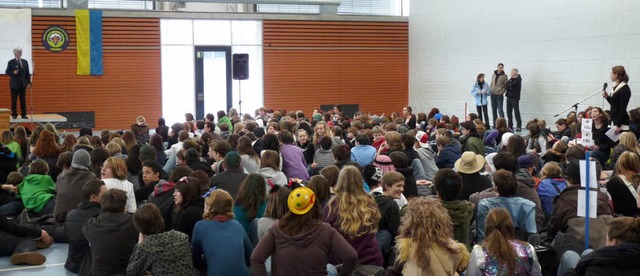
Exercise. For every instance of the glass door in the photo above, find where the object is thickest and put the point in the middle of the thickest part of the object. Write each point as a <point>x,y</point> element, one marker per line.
<point>213,79</point>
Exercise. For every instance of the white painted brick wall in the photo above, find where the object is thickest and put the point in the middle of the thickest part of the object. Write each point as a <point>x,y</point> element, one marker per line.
<point>564,51</point>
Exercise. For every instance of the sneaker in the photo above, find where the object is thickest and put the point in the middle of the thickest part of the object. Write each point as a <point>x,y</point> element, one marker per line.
<point>28,258</point>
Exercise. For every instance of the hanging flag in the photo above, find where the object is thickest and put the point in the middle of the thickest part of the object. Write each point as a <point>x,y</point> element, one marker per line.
<point>89,42</point>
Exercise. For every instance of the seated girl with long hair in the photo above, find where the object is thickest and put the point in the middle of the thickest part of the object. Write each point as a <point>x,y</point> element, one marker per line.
<point>501,253</point>
<point>425,244</point>
<point>355,215</point>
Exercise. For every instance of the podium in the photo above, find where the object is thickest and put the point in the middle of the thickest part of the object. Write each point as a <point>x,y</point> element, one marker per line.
<point>5,115</point>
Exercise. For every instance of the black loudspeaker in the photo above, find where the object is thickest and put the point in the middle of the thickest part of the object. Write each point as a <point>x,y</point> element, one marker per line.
<point>240,66</point>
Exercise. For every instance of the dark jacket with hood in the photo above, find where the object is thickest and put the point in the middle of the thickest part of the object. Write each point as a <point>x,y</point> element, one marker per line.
<point>461,213</point>
<point>565,208</point>
<point>308,150</point>
<point>69,190</point>
<point>621,259</point>
<point>389,214</point>
<point>304,254</point>
<point>514,85</point>
<point>448,156</point>
<point>527,190</point>
<point>78,244</point>
<point>162,197</point>
<point>229,180</point>
<point>112,237</point>
<point>410,186</point>
<point>473,183</point>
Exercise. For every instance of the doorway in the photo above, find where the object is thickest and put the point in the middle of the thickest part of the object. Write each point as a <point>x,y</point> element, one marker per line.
<point>213,79</point>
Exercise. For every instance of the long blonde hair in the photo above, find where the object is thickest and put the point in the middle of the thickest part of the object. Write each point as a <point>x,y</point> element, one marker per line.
<point>327,132</point>
<point>424,224</point>
<point>630,140</point>
<point>356,210</point>
<point>629,165</point>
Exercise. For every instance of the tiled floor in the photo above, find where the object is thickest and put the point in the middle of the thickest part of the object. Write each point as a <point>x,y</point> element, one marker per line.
<point>56,256</point>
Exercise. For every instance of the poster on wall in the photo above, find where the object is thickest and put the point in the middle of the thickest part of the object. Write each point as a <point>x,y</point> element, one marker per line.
<point>55,39</point>
<point>16,32</point>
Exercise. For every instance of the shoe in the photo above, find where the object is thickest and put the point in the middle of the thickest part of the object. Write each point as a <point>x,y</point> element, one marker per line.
<point>518,129</point>
<point>25,117</point>
<point>14,116</point>
<point>28,258</point>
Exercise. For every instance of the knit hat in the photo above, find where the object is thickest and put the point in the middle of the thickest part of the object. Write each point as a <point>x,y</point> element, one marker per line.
<point>525,161</point>
<point>384,163</point>
<point>317,117</point>
<point>505,138</point>
<point>232,159</point>
<point>423,139</point>
<point>438,116</point>
<point>372,174</point>
<point>301,200</point>
<point>469,163</point>
<point>81,159</point>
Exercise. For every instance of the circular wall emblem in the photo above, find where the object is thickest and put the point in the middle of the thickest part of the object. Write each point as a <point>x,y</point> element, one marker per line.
<point>55,39</point>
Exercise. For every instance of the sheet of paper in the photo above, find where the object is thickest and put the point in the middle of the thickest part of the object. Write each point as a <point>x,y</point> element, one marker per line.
<point>612,135</point>
<point>593,203</point>
<point>593,178</point>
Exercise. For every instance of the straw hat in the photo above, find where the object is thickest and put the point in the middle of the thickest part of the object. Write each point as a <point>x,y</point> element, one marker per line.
<point>470,163</point>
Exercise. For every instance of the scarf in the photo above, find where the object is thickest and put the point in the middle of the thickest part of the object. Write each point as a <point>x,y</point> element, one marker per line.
<point>618,87</point>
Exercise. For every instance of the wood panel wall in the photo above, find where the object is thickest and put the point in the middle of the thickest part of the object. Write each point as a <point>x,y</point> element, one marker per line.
<point>309,63</point>
<point>130,86</point>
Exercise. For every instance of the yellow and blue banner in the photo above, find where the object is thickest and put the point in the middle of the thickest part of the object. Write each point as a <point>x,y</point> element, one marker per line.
<point>89,42</point>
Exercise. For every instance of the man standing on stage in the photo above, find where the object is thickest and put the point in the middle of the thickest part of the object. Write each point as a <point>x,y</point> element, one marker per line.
<point>18,70</point>
<point>498,81</point>
<point>514,84</point>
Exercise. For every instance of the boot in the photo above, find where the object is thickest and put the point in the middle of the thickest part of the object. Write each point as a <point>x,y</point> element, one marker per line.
<point>28,258</point>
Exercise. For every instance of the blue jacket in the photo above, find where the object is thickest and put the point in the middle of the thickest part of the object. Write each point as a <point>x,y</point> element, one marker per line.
<point>448,156</point>
<point>523,213</point>
<point>547,192</point>
<point>480,93</point>
<point>363,154</point>
<point>225,247</point>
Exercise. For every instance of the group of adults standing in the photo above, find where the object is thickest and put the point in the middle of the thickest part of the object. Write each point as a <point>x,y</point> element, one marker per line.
<point>500,86</point>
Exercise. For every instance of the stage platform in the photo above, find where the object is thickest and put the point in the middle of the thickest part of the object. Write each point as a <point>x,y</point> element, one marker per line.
<point>40,119</point>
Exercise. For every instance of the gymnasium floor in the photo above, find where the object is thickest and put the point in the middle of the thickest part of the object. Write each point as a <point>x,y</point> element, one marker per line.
<point>56,256</point>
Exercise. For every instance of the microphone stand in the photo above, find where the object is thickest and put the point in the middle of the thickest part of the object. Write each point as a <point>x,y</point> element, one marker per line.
<point>575,106</point>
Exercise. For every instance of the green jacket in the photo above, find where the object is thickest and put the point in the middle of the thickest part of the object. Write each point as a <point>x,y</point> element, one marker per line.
<point>227,121</point>
<point>35,191</point>
<point>474,144</point>
<point>15,147</point>
<point>461,213</point>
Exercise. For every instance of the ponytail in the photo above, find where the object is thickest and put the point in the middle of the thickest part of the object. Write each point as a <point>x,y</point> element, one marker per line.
<point>500,231</point>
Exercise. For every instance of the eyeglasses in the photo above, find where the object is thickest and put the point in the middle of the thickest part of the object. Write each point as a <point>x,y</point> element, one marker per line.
<point>209,191</point>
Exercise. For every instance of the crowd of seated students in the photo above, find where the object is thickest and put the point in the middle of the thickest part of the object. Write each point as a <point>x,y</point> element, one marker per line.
<point>287,194</point>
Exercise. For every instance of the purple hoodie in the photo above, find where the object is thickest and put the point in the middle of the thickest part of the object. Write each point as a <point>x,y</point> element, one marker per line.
<point>293,163</point>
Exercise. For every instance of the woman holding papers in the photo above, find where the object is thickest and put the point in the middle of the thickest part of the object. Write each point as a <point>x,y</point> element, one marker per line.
<point>619,99</point>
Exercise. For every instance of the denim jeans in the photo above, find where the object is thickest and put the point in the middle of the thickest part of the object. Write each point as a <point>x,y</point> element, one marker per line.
<point>12,208</point>
<point>569,260</point>
<point>10,244</point>
<point>385,240</point>
<point>497,102</point>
